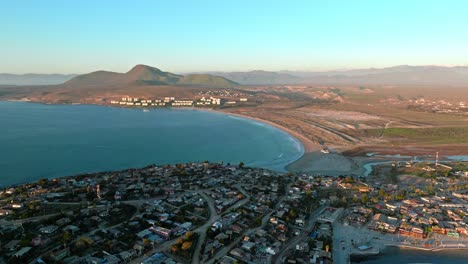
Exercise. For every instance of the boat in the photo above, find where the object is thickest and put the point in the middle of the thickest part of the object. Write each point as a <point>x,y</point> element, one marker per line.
<point>145,110</point>
<point>325,151</point>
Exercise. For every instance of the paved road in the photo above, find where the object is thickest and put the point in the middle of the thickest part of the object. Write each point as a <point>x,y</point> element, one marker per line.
<point>203,229</point>
<point>32,219</point>
<point>279,258</point>
<point>223,252</point>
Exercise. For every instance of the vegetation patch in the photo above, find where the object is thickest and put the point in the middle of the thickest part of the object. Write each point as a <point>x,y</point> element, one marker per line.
<point>435,135</point>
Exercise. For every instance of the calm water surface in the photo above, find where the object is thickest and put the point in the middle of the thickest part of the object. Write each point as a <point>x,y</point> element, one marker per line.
<point>46,141</point>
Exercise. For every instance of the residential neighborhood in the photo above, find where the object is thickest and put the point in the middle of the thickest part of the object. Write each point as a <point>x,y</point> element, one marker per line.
<point>176,102</point>
<point>224,213</point>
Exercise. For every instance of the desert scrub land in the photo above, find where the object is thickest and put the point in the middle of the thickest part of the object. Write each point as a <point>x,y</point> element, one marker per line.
<point>433,135</point>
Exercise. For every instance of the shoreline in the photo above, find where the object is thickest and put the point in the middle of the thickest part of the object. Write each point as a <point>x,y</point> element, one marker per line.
<point>311,160</point>
<point>385,253</point>
<point>295,147</point>
<point>308,145</point>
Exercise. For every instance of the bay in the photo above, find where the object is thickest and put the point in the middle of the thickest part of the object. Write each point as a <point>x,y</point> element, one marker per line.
<point>48,141</point>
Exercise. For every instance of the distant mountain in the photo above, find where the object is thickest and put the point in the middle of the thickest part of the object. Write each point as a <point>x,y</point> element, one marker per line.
<point>34,79</point>
<point>146,75</point>
<point>99,86</point>
<point>398,75</point>
<point>259,77</point>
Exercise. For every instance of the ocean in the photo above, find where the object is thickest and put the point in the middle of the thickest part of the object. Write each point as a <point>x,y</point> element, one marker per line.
<point>48,141</point>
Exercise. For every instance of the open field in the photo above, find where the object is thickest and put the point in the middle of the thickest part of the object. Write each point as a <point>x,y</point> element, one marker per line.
<point>365,118</point>
<point>432,135</point>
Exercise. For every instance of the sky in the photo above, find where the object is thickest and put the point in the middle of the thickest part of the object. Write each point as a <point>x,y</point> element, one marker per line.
<point>184,36</point>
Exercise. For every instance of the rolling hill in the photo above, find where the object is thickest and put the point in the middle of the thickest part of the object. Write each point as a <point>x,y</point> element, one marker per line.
<point>141,80</point>
<point>206,80</point>
<point>146,75</point>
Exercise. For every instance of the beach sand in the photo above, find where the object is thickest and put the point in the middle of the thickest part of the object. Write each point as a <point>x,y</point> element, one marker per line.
<point>313,160</point>
<point>309,145</point>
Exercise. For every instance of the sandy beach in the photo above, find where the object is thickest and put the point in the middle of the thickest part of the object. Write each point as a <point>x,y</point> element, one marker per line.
<point>309,145</point>
<point>313,160</point>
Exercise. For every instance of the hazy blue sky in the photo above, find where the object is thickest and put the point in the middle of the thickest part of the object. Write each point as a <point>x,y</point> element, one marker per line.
<point>80,36</point>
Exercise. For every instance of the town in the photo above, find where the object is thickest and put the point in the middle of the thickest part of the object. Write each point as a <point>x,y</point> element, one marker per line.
<point>230,213</point>
<point>174,102</point>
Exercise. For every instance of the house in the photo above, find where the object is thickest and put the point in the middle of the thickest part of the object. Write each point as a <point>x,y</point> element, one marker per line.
<point>71,228</point>
<point>40,241</point>
<point>61,254</point>
<point>22,252</point>
<point>127,255</point>
<point>248,246</point>
<point>12,245</point>
<point>5,212</point>
<point>63,221</point>
<point>144,233</point>
<point>48,229</point>
<point>161,231</point>
<point>300,221</point>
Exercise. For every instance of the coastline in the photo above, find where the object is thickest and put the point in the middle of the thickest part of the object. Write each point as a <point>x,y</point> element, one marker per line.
<point>311,160</point>
<point>395,253</point>
<point>309,145</point>
<point>289,147</point>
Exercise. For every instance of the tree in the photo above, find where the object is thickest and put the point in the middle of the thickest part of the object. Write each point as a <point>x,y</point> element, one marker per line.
<point>364,199</point>
<point>188,235</point>
<point>66,237</point>
<point>382,193</point>
<point>186,245</point>
<point>147,242</point>
<point>175,248</point>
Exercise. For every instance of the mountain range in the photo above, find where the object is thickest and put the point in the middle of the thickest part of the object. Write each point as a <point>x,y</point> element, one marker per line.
<point>34,79</point>
<point>141,80</point>
<point>146,75</point>
<point>398,75</point>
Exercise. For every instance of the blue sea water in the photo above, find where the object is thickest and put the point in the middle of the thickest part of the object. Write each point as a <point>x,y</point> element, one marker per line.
<point>47,141</point>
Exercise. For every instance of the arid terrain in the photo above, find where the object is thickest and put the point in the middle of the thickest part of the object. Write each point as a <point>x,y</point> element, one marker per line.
<point>359,120</point>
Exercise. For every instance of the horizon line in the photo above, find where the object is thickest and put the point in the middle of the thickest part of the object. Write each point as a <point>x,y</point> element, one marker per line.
<point>253,70</point>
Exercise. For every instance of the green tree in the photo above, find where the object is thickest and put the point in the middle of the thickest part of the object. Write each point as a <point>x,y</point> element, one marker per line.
<point>66,237</point>
<point>382,193</point>
<point>364,199</point>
